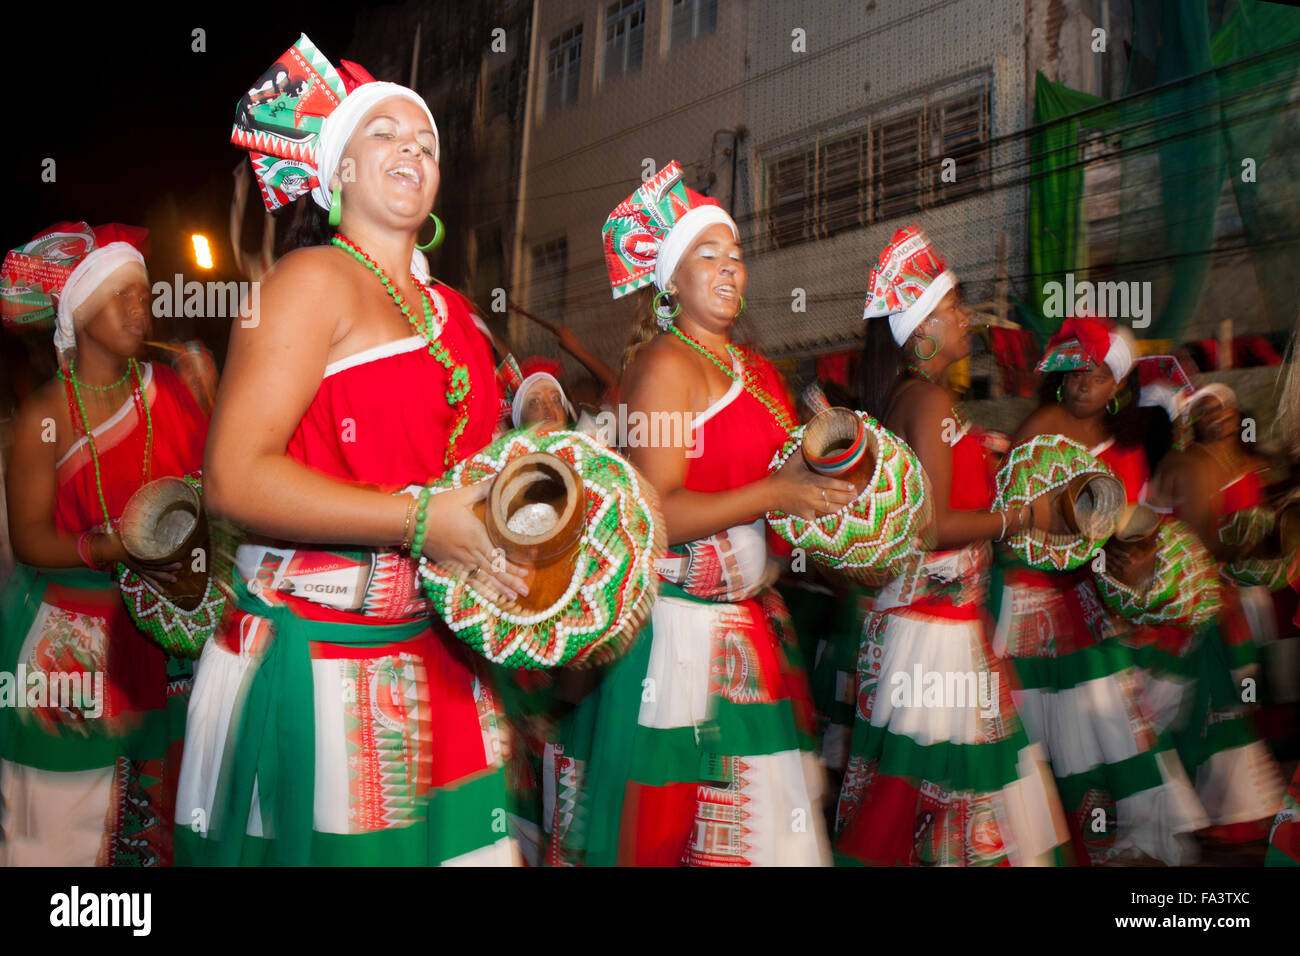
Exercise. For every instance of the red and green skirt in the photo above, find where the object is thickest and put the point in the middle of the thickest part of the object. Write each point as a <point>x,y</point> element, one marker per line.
<point>319,743</point>
<point>1081,694</point>
<point>694,749</point>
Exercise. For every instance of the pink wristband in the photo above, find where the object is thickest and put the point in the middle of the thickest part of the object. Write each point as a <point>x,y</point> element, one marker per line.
<point>83,550</point>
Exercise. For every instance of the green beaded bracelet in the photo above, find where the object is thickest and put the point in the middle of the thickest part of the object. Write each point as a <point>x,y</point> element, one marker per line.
<point>421,507</point>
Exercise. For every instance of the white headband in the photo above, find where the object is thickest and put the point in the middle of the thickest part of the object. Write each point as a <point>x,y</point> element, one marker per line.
<point>517,407</point>
<point>902,324</point>
<point>1223,393</point>
<point>682,234</point>
<point>1119,357</point>
<point>337,129</point>
<point>85,279</point>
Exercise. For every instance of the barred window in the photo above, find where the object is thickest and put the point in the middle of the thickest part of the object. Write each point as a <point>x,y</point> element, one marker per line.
<point>690,19</point>
<point>563,66</point>
<point>624,37</point>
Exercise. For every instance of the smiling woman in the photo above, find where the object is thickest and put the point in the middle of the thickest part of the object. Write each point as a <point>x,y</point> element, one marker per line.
<point>350,389</point>
<point>713,764</point>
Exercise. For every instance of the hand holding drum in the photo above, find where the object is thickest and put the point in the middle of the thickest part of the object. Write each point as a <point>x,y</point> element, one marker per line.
<point>162,528</point>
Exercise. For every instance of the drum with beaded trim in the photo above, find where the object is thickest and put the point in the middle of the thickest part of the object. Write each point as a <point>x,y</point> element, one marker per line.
<point>886,528</point>
<point>608,592</point>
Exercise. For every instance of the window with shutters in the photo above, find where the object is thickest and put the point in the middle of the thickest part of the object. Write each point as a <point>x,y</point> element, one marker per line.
<point>563,66</point>
<point>689,19</point>
<point>897,170</point>
<point>890,166</point>
<point>624,37</point>
<point>790,198</point>
<point>959,130</point>
<point>843,179</point>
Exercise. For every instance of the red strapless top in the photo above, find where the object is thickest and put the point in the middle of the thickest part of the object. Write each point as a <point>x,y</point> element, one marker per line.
<point>180,431</point>
<point>381,417</point>
<point>1245,491</point>
<point>737,436</point>
<point>972,487</point>
<point>1129,463</point>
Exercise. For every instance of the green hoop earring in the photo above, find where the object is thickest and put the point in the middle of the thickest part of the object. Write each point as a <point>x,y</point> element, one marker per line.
<point>1059,399</point>
<point>743,306</point>
<point>436,241</point>
<point>1113,405</point>
<point>665,319</point>
<point>336,206</point>
<point>916,350</point>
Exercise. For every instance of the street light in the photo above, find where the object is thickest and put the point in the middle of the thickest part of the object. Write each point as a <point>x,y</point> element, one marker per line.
<point>202,254</point>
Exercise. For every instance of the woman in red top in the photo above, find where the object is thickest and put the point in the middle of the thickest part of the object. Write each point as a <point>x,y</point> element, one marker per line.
<point>91,780</point>
<point>694,749</point>
<point>941,771</point>
<point>332,721</point>
<point>1081,687</point>
<point>1197,675</point>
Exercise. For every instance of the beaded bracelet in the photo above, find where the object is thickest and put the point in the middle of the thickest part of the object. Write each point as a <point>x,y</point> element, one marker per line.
<point>417,543</point>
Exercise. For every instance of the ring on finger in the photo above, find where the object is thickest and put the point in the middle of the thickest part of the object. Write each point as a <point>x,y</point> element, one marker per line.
<point>473,571</point>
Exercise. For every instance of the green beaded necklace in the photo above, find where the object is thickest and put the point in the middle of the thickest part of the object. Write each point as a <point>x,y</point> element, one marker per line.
<point>72,370</point>
<point>747,380</point>
<point>429,330</point>
<point>142,406</point>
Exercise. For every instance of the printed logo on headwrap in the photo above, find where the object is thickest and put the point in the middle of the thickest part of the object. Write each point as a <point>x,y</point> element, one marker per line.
<point>279,119</point>
<point>37,270</point>
<point>906,268</point>
<point>635,230</point>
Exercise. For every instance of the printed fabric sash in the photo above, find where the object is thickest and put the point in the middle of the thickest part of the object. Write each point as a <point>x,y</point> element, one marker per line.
<point>948,584</point>
<point>370,583</point>
<point>274,739</point>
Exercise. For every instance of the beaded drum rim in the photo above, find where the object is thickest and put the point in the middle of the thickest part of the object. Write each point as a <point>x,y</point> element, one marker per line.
<point>613,586</point>
<point>1184,589</point>
<point>1271,573</point>
<point>1024,476</point>
<point>879,533</point>
<point>180,633</point>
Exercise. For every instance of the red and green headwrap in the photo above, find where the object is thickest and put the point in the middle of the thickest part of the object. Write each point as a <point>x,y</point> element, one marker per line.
<point>648,233</point>
<point>1085,341</point>
<point>297,117</point>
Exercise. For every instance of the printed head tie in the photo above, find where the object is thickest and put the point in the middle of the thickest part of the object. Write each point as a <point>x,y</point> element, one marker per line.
<point>648,233</point>
<point>297,117</point>
<point>908,282</point>
<point>46,280</point>
<point>1084,341</point>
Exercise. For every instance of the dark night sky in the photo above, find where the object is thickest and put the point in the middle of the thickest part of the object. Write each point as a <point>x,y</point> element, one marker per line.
<point>130,114</point>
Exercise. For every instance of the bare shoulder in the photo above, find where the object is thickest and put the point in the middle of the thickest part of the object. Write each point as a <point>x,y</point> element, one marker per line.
<point>663,365</point>
<point>308,293</point>
<point>1044,420</point>
<point>45,405</point>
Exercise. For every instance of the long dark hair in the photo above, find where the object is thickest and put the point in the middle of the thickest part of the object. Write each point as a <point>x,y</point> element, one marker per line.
<point>879,368</point>
<point>309,226</point>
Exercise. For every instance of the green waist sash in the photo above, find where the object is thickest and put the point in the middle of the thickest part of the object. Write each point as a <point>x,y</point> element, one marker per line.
<point>273,737</point>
